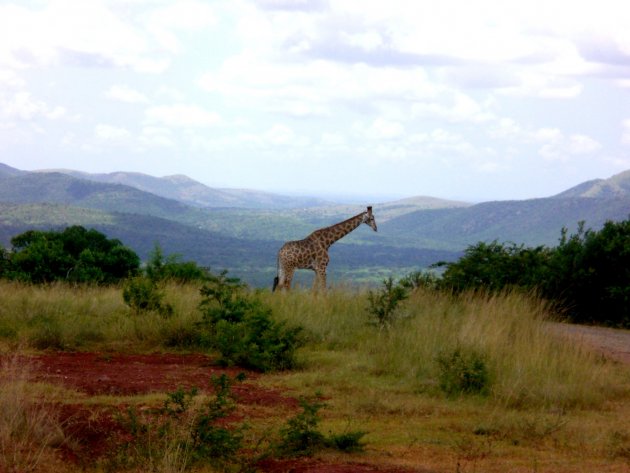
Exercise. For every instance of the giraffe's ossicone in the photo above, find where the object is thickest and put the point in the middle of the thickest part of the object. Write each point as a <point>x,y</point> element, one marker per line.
<point>312,251</point>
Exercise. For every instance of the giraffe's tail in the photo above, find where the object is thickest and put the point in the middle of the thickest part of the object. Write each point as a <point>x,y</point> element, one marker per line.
<point>276,280</point>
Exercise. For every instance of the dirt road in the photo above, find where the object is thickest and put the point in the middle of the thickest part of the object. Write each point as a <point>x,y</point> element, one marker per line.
<point>613,343</point>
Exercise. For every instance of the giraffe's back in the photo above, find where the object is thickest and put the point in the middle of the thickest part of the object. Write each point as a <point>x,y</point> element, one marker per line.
<point>298,254</point>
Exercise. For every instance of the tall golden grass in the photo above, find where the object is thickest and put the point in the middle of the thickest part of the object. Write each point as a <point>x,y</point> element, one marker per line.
<point>528,365</point>
<point>29,423</point>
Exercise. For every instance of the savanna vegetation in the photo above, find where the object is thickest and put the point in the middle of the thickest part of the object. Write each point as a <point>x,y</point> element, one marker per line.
<point>443,373</point>
<point>587,275</point>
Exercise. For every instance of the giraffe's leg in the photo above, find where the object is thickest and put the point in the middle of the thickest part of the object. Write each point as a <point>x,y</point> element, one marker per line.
<point>288,277</point>
<point>320,279</point>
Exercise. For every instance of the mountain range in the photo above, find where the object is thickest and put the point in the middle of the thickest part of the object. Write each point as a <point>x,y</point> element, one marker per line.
<point>241,230</point>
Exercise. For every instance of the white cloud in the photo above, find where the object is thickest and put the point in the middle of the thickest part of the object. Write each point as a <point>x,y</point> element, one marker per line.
<point>625,136</point>
<point>80,33</point>
<point>112,134</point>
<point>182,116</point>
<point>156,137</point>
<point>558,146</point>
<point>165,23</point>
<point>453,106</point>
<point>381,129</point>
<point>22,105</point>
<point>123,93</point>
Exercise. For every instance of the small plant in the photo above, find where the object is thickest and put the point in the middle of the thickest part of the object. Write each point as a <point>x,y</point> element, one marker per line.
<point>192,435</point>
<point>142,294</point>
<point>212,441</point>
<point>347,441</point>
<point>301,436</point>
<point>463,372</point>
<point>383,304</point>
<point>241,328</point>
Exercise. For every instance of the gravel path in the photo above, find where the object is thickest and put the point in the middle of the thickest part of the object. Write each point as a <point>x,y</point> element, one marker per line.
<point>613,343</point>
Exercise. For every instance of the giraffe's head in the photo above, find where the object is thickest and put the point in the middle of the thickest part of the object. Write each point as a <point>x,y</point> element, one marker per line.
<point>368,218</point>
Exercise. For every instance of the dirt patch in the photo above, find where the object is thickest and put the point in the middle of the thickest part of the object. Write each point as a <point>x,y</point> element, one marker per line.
<point>612,343</point>
<point>120,374</point>
<point>94,430</point>
<point>309,465</point>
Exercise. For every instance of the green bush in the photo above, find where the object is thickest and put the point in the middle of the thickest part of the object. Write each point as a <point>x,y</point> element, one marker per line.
<point>170,268</point>
<point>462,372</point>
<point>142,294</point>
<point>383,304</point>
<point>301,437</point>
<point>191,436</point>
<point>587,274</point>
<point>241,328</point>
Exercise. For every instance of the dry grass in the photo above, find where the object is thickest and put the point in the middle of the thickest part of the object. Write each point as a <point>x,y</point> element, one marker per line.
<point>29,425</point>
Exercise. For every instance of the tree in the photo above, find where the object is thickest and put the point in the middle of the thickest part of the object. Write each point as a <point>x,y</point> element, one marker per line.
<point>74,254</point>
<point>590,273</point>
<point>494,266</point>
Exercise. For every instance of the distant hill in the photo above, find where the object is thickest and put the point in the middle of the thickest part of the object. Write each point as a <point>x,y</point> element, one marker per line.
<point>412,233</point>
<point>191,192</point>
<point>58,188</point>
<point>532,222</point>
<point>617,186</point>
<point>8,171</point>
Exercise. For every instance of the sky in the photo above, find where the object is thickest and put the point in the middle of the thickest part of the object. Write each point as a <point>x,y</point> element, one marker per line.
<point>470,100</point>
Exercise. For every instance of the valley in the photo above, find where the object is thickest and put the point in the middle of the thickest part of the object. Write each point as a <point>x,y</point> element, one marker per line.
<point>242,230</point>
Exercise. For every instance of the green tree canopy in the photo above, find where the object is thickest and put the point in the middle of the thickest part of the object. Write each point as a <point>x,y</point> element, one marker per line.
<point>74,254</point>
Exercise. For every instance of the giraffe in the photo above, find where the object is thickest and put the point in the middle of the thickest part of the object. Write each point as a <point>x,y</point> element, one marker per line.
<point>312,251</point>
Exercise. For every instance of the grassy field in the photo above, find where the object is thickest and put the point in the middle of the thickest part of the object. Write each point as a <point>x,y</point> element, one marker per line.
<point>463,383</point>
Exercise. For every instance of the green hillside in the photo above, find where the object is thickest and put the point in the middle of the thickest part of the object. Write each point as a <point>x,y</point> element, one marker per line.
<point>617,186</point>
<point>253,260</point>
<point>533,222</point>
<point>191,192</point>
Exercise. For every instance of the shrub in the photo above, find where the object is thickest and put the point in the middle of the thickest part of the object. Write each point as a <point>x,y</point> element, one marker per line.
<point>180,432</point>
<point>301,436</point>
<point>159,268</point>
<point>383,304</point>
<point>142,294</point>
<point>462,372</point>
<point>241,328</point>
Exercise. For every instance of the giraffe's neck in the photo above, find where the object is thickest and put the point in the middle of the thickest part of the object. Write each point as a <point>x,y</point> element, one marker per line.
<point>330,235</point>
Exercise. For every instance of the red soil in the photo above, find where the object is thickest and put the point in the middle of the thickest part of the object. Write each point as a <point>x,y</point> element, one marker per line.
<point>92,427</point>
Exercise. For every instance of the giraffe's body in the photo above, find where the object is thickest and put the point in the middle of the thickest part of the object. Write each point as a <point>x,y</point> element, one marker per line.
<point>312,251</point>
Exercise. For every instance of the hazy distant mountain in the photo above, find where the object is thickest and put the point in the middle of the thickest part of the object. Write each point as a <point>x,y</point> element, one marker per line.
<point>191,192</point>
<point>58,188</point>
<point>532,222</point>
<point>617,186</point>
<point>8,171</point>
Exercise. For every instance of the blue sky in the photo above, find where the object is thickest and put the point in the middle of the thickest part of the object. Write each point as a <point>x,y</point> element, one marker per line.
<point>475,100</point>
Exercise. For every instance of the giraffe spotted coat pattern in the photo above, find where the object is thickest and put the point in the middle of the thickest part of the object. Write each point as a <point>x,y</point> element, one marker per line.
<point>312,251</point>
